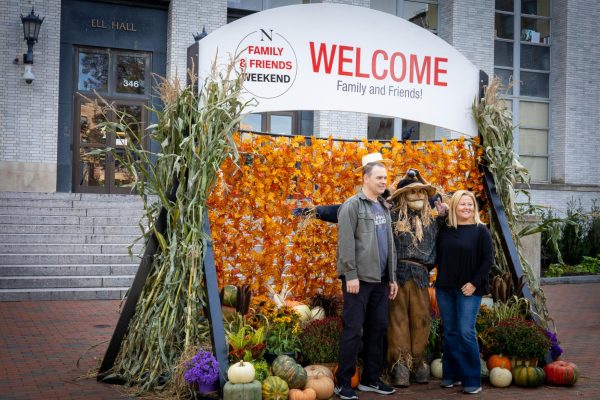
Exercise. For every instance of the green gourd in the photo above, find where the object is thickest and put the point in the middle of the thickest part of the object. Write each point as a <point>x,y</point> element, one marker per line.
<point>290,371</point>
<point>527,376</point>
<point>242,391</point>
<point>274,388</point>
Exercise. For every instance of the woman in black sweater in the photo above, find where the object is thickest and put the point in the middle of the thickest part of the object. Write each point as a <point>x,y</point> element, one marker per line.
<point>464,259</point>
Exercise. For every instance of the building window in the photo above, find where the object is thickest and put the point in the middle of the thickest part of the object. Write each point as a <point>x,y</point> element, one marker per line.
<point>260,5</point>
<point>420,12</point>
<point>425,14</point>
<point>280,122</point>
<point>522,53</point>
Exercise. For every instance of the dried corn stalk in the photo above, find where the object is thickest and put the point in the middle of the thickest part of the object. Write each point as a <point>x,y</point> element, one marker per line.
<point>494,122</point>
<point>195,134</point>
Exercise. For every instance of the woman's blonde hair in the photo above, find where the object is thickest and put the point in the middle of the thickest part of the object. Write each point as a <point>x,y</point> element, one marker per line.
<point>453,203</point>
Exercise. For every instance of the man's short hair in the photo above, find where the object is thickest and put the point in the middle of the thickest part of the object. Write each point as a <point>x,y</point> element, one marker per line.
<point>368,169</point>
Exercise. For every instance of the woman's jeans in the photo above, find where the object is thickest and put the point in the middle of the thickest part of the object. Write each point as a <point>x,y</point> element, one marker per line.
<point>460,361</point>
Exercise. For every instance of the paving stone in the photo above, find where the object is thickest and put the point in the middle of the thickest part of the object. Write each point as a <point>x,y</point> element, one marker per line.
<point>42,342</point>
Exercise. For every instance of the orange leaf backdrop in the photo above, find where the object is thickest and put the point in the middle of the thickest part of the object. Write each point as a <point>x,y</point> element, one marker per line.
<point>257,240</point>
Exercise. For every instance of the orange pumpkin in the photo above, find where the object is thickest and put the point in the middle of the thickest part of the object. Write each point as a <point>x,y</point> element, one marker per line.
<point>433,305</point>
<point>562,373</point>
<point>306,394</point>
<point>355,378</point>
<point>292,303</point>
<point>498,360</point>
<point>322,385</point>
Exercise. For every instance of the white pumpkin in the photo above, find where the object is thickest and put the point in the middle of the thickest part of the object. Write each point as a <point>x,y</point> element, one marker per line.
<point>303,310</point>
<point>317,313</point>
<point>241,372</point>
<point>500,377</point>
<point>436,368</point>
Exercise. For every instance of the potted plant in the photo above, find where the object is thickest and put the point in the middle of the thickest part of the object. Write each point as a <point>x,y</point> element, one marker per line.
<point>433,349</point>
<point>320,341</point>
<point>245,342</point>
<point>281,339</point>
<point>203,371</point>
<point>520,339</point>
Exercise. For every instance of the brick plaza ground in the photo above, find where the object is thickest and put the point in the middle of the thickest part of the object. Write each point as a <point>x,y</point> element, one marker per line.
<point>42,342</point>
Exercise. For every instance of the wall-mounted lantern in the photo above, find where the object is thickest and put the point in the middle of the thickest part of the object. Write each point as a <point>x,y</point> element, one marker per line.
<point>31,30</point>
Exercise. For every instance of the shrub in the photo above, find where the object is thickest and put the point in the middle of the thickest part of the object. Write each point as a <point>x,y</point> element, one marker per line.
<point>549,253</point>
<point>320,340</point>
<point>434,343</point>
<point>573,245</point>
<point>593,235</point>
<point>519,338</point>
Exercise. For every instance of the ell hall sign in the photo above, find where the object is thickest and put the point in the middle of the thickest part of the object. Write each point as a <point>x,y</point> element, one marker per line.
<point>346,58</point>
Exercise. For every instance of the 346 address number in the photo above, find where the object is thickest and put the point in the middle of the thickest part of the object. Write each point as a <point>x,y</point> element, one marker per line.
<point>128,83</point>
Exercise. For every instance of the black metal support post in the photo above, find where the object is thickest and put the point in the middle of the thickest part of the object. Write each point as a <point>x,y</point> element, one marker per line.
<point>215,317</point>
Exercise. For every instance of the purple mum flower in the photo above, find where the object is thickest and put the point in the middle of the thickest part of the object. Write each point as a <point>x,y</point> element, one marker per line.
<point>555,349</point>
<point>203,368</point>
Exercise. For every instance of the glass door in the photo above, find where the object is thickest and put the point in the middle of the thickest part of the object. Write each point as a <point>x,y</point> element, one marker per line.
<point>121,79</point>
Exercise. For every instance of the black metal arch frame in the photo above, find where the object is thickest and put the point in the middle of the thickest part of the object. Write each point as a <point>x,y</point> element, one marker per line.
<point>217,331</point>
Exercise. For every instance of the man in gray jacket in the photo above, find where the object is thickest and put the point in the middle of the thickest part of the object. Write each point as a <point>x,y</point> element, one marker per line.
<point>366,266</point>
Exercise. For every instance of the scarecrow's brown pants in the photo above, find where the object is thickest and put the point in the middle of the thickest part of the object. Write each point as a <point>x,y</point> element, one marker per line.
<point>408,329</point>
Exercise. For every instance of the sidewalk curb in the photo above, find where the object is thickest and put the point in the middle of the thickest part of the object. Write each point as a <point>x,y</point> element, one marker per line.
<point>571,279</point>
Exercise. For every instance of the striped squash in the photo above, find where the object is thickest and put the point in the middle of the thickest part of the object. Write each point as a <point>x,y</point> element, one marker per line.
<point>274,388</point>
<point>526,376</point>
<point>290,371</point>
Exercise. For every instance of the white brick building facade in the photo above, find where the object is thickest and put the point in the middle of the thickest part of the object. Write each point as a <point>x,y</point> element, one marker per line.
<point>29,113</point>
<point>29,116</point>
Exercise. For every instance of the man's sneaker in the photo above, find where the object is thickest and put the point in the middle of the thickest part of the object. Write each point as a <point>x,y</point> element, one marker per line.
<point>377,387</point>
<point>448,385</point>
<point>472,390</point>
<point>345,393</point>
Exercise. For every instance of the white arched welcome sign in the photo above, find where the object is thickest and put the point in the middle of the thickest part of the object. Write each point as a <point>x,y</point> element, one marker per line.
<point>346,58</point>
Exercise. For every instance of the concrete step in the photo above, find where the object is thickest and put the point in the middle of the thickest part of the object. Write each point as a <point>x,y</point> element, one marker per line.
<point>66,259</point>
<point>40,195</point>
<point>83,281</point>
<point>110,221</point>
<point>44,238</point>
<point>97,197</point>
<point>69,220</point>
<point>117,230</point>
<point>71,229</point>
<point>19,248</point>
<point>40,220</point>
<point>70,211</point>
<point>42,211</point>
<point>77,204</point>
<point>116,293</point>
<point>68,246</point>
<point>68,270</point>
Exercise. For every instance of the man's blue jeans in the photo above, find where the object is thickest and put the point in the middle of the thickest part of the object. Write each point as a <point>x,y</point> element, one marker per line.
<point>460,361</point>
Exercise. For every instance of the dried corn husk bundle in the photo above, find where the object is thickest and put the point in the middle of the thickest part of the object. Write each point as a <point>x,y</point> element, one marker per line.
<point>195,134</point>
<point>494,122</point>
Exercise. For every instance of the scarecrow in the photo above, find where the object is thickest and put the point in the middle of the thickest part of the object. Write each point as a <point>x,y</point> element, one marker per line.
<point>415,232</point>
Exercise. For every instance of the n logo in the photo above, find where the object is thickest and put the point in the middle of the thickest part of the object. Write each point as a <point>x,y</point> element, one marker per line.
<point>264,33</point>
